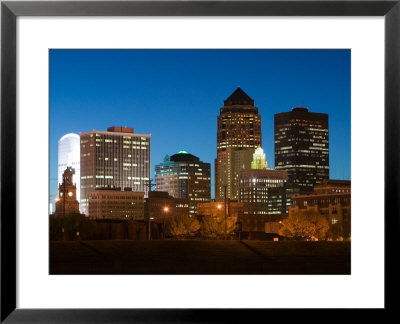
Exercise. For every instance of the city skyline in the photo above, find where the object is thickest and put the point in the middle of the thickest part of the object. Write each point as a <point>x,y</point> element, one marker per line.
<point>93,90</point>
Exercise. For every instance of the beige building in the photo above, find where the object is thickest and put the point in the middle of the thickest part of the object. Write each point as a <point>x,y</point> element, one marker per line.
<point>118,158</point>
<point>239,128</point>
<point>116,204</point>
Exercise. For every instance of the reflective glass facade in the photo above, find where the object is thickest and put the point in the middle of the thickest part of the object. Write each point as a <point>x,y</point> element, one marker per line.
<point>69,157</point>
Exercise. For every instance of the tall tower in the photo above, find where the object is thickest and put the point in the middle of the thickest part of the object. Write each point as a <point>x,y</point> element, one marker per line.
<point>118,158</point>
<point>69,157</point>
<point>67,202</point>
<point>302,148</point>
<point>238,134</point>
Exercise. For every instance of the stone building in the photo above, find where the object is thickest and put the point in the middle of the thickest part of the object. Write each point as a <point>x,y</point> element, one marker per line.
<point>66,202</point>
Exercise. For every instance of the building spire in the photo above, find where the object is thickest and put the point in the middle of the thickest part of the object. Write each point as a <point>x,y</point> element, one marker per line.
<point>239,97</point>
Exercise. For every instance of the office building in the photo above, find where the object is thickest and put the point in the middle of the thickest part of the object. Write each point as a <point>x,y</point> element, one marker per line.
<point>238,134</point>
<point>263,191</point>
<point>331,199</point>
<point>118,158</point>
<point>302,148</point>
<point>116,204</point>
<point>69,157</point>
<point>183,175</point>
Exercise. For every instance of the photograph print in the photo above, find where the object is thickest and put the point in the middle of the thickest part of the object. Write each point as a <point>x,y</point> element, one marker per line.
<point>219,161</point>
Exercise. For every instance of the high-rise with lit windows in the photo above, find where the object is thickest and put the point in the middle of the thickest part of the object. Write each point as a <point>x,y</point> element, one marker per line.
<point>262,190</point>
<point>302,148</point>
<point>183,175</point>
<point>118,158</point>
<point>238,134</point>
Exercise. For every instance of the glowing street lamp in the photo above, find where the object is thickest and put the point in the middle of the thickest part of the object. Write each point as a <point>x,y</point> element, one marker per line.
<point>165,215</point>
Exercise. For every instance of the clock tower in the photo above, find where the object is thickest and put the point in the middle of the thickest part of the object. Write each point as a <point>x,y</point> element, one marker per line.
<point>66,201</point>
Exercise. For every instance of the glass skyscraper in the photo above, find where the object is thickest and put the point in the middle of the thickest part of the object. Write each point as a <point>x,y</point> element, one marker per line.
<point>69,157</point>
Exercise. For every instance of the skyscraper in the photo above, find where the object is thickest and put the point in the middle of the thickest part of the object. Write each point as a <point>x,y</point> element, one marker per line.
<point>118,158</point>
<point>183,175</point>
<point>302,148</point>
<point>239,129</point>
<point>69,157</point>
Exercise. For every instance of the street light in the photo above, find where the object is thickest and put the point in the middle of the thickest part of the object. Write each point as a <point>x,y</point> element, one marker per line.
<point>150,218</point>
<point>165,215</point>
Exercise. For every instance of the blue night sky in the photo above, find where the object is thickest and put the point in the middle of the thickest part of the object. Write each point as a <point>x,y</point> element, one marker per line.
<point>175,95</point>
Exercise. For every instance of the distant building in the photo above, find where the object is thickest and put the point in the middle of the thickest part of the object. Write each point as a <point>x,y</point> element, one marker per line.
<point>69,157</point>
<point>160,205</point>
<point>238,129</point>
<point>66,202</point>
<point>302,148</point>
<point>332,199</point>
<point>118,158</point>
<point>116,204</point>
<point>217,209</point>
<point>183,175</point>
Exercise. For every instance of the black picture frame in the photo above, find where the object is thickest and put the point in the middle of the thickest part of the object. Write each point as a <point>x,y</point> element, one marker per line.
<point>10,10</point>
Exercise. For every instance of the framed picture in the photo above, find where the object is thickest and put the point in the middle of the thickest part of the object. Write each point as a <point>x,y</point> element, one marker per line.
<point>189,40</point>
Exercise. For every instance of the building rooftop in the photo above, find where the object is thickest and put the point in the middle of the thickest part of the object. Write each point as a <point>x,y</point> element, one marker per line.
<point>183,156</point>
<point>299,108</point>
<point>239,97</point>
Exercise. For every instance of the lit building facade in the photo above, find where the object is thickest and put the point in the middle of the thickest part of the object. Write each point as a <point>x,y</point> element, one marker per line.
<point>263,191</point>
<point>302,148</point>
<point>69,157</point>
<point>332,199</point>
<point>66,202</point>
<point>118,158</point>
<point>116,204</point>
<point>183,175</point>
<point>238,130</point>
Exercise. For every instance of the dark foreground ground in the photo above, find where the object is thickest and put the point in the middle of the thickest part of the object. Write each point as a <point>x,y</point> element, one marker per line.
<point>199,257</point>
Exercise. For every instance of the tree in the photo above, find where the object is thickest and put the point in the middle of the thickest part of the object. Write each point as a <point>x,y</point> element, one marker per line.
<point>182,226</point>
<point>305,225</point>
<point>213,227</point>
